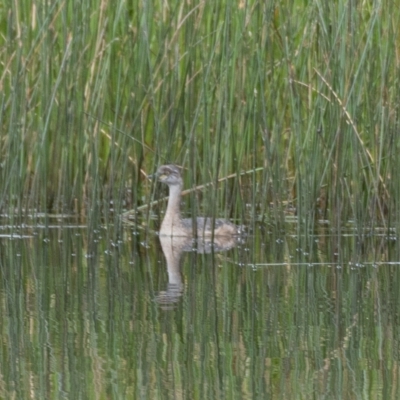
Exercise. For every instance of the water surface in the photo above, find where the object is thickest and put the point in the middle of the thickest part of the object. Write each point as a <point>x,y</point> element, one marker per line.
<point>106,314</point>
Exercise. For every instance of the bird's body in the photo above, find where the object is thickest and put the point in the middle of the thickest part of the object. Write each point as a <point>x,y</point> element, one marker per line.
<point>174,225</point>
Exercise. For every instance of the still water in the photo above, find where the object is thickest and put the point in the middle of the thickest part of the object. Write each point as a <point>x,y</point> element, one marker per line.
<point>115,314</point>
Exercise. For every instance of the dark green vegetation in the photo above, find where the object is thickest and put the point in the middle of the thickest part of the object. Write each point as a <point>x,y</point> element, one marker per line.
<point>95,94</point>
<point>287,105</point>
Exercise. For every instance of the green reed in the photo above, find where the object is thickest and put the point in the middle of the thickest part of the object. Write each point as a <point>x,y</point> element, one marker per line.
<point>94,96</point>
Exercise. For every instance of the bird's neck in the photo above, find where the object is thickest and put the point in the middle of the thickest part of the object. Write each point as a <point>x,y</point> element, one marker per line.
<point>174,202</point>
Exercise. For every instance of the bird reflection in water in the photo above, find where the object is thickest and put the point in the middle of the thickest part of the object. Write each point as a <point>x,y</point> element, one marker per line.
<point>173,247</point>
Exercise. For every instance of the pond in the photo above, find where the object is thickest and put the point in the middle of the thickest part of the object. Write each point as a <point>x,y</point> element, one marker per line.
<point>115,313</point>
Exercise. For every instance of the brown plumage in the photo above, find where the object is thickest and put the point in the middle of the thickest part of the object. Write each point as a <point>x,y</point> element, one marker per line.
<point>173,224</point>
